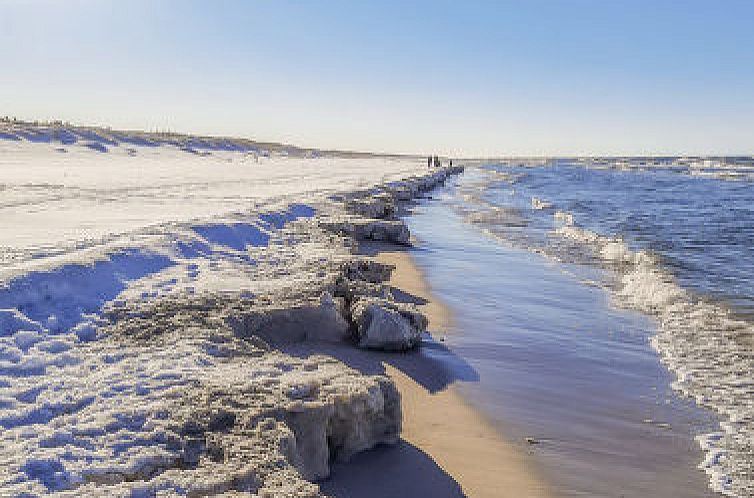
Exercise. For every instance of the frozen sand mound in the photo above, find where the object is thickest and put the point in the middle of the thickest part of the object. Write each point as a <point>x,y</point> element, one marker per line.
<point>144,364</point>
<point>177,422</point>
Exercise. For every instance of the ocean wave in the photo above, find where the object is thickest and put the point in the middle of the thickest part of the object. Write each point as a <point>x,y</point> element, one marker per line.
<point>722,168</point>
<point>564,217</point>
<point>702,344</point>
<point>700,340</point>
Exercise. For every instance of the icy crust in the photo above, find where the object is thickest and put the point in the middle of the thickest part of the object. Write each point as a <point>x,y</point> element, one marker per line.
<point>178,422</point>
<point>370,214</point>
<point>123,400</point>
<point>152,371</point>
<point>384,324</point>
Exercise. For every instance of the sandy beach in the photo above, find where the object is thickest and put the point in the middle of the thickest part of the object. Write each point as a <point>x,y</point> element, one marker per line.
<point>438,425</point>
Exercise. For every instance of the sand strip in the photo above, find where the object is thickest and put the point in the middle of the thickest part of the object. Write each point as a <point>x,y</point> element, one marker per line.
<point>448,448</point>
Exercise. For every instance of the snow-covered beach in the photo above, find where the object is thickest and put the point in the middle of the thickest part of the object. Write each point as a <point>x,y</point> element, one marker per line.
<point>148,284</point>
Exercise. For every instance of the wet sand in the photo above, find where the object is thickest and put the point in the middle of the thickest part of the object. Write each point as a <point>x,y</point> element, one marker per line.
<point>557,362</point>
<point>448,449</point>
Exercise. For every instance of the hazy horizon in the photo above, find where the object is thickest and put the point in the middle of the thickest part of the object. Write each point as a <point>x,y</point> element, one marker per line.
<point>479,79</point>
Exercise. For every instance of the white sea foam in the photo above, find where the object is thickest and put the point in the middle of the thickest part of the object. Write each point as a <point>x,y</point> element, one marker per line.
<point>579,234</point>
<point>540,204</point>
<point>564,217</point>
<point>701,342</point>
<point>703,345</point>
<point>610,249</point>
<point>718,168</point>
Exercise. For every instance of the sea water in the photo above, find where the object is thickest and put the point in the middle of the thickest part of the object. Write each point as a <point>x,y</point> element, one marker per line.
<point>607,307</point>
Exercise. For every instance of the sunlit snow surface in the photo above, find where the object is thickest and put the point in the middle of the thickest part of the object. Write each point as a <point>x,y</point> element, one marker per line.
<point>90,224</point>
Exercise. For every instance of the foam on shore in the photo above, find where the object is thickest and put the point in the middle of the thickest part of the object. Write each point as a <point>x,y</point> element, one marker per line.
<point>701,341</point>
<point>708,366</point>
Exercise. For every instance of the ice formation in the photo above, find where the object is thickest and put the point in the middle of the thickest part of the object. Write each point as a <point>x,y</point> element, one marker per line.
<point>385,324</point>
<point>139,359</point>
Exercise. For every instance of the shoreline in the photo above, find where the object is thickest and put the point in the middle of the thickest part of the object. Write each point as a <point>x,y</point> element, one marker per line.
<point>439,422</point>
<point>559,363</point>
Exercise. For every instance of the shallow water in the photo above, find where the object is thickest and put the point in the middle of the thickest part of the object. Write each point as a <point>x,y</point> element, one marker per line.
<point>673,239</point>
<point>701,227</point>
<point>559,359</point>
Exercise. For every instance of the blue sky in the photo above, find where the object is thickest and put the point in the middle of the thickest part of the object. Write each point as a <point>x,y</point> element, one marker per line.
<point>464,78</point>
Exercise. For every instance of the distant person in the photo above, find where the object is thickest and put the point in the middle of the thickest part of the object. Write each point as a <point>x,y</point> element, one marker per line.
<point>451,163</point>
<point>429,162</point>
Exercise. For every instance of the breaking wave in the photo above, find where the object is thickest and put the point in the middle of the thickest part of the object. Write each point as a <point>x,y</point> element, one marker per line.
<point>705,342</point>
<point>706,347</point>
